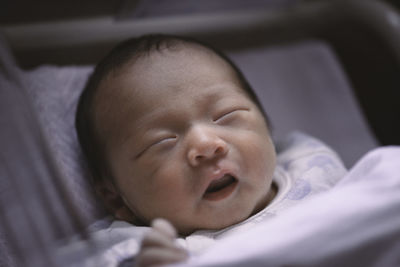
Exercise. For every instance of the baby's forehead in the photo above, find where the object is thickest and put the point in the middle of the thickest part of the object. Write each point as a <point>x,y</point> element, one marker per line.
<point>168,68</point>
<point>183,72</point>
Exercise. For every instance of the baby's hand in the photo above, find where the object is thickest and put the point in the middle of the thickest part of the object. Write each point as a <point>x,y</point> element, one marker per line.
<point>158,246</point>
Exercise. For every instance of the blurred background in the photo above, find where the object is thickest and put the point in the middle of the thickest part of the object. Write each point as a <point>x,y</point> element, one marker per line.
<point>66,25</point>
<point>27,11</point>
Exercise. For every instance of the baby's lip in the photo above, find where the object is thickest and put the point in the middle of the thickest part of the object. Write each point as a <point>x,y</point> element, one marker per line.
<point>220,186</point>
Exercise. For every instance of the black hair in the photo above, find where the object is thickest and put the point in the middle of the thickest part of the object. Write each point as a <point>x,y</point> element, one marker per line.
<point>118,57</point>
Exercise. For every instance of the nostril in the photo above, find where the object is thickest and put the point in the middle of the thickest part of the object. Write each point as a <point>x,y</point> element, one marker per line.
<point>210,154</point>
<point>199,157</point>
<point>195,157</point>
<point>219,150</point>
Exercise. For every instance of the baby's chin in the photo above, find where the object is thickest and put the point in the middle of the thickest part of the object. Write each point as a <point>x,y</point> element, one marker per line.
<point>214,225</point>
<point>239,215</point>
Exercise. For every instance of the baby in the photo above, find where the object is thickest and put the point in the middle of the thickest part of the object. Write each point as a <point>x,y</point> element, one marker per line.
<point>172,130</point>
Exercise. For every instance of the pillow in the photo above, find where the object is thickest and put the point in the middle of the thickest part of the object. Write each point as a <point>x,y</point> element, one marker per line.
<point>55,92</point>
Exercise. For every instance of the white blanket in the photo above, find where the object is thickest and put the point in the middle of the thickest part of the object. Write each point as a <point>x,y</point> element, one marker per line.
<point>355,224</point>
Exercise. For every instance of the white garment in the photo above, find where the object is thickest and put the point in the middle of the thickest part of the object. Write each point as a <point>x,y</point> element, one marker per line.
<point>305,167</point>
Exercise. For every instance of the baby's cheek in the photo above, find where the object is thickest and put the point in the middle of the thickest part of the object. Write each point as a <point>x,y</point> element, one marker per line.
<point>261,156</point>
<point>165,198</point>
<point>269,159</point>
<point>170,183</point>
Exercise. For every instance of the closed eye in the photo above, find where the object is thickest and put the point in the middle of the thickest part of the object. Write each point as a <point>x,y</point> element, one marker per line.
<point>161,143</point>
<point>164,140</point>
<point>229,114</point>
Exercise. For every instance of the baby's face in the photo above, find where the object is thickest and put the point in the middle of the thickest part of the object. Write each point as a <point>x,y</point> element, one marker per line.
<point>187,143</point>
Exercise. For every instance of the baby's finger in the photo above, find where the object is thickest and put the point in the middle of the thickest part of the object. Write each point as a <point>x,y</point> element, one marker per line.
<point>164,226</point>
<point>154,238</point>
<point>159,256</point>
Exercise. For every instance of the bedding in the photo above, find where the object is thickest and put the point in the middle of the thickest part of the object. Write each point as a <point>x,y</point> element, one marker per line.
<point>355,223</point>
<point>54,92</point>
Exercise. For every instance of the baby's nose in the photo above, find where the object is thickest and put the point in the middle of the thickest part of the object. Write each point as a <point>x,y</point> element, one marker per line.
<point>205,145</point>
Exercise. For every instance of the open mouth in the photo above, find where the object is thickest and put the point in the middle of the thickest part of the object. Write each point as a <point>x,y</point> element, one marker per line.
<point>220,188</point>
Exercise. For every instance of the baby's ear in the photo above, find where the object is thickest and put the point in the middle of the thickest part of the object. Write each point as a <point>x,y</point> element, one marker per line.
<point>113,201</point>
